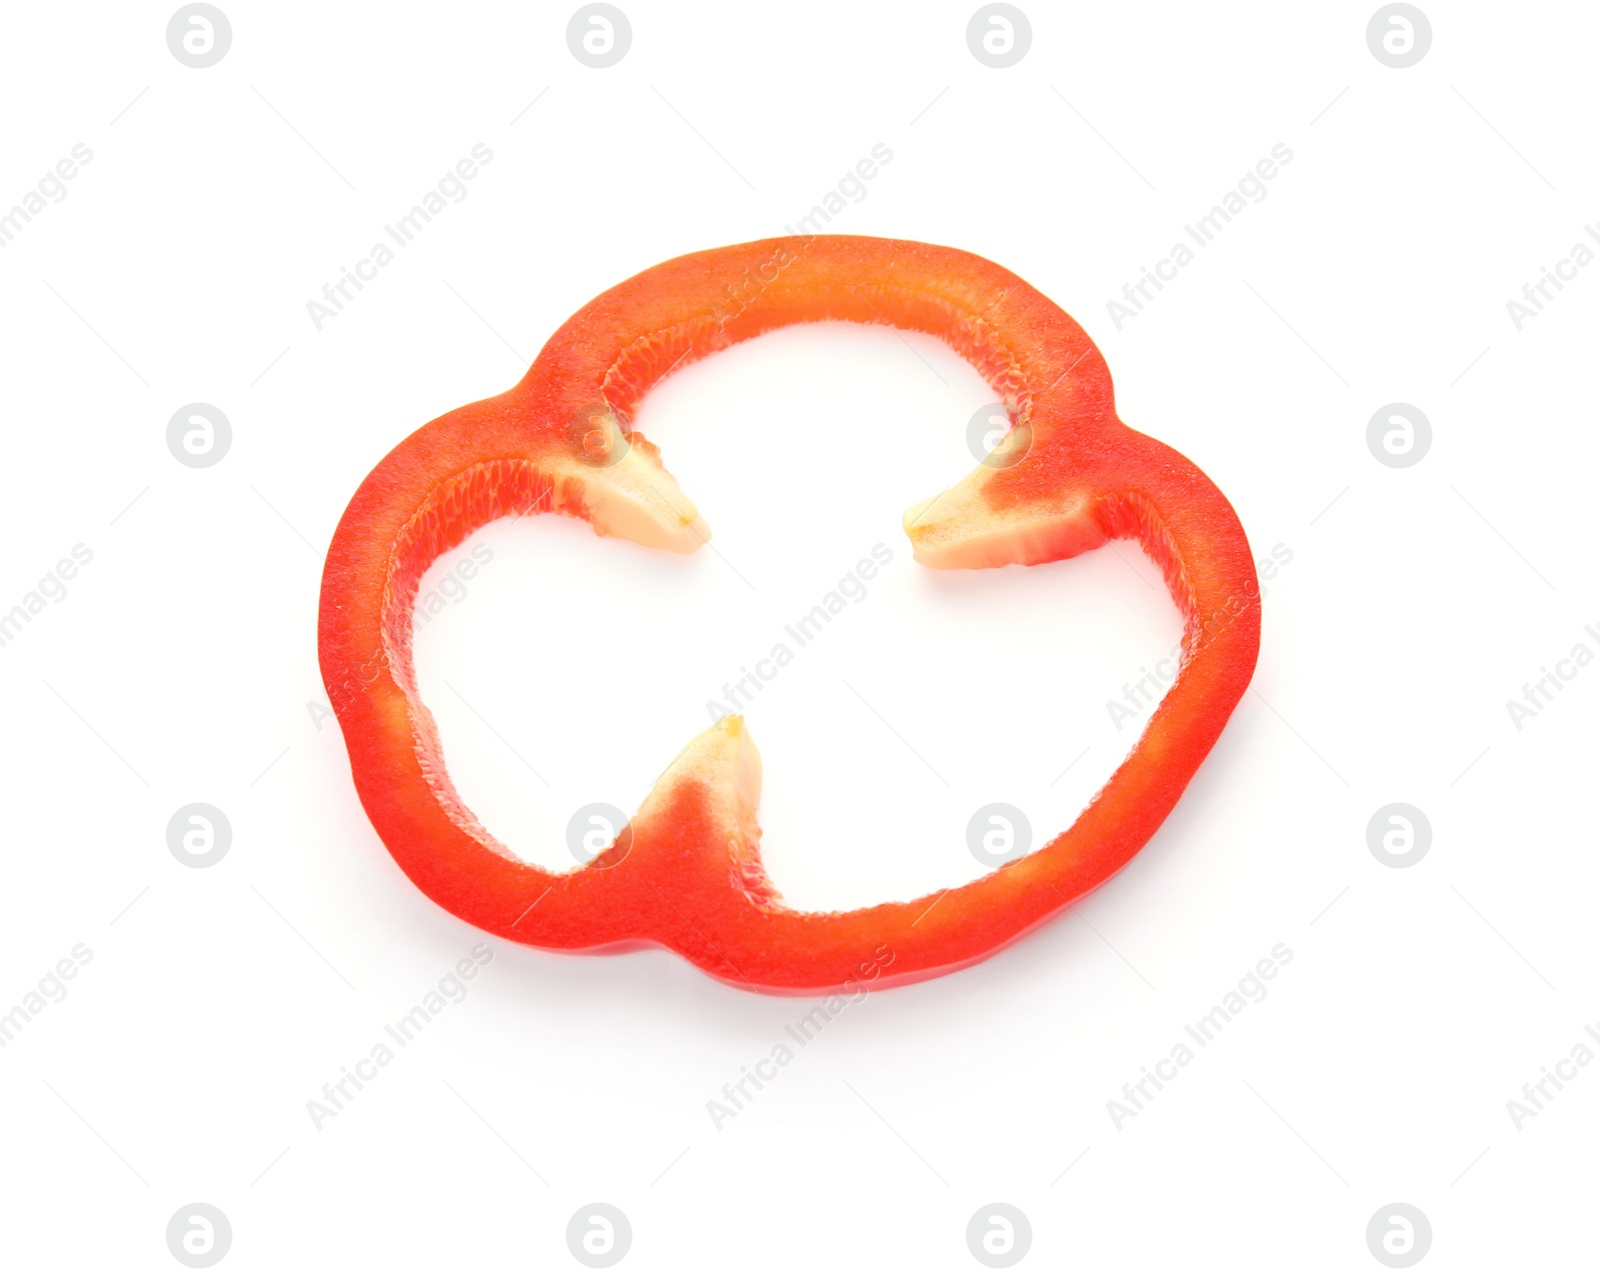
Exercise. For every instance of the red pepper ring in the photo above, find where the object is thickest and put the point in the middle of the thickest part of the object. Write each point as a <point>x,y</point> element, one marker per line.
<point>686,874</point>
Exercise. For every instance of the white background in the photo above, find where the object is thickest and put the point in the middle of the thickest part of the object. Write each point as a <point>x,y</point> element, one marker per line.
<point>181,665</point>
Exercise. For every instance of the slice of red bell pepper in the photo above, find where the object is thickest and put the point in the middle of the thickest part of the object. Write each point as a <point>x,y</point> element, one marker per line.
<point>687,874</point>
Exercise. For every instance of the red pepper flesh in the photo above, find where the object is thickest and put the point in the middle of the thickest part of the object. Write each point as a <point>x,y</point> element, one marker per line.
<point>686,874</point>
